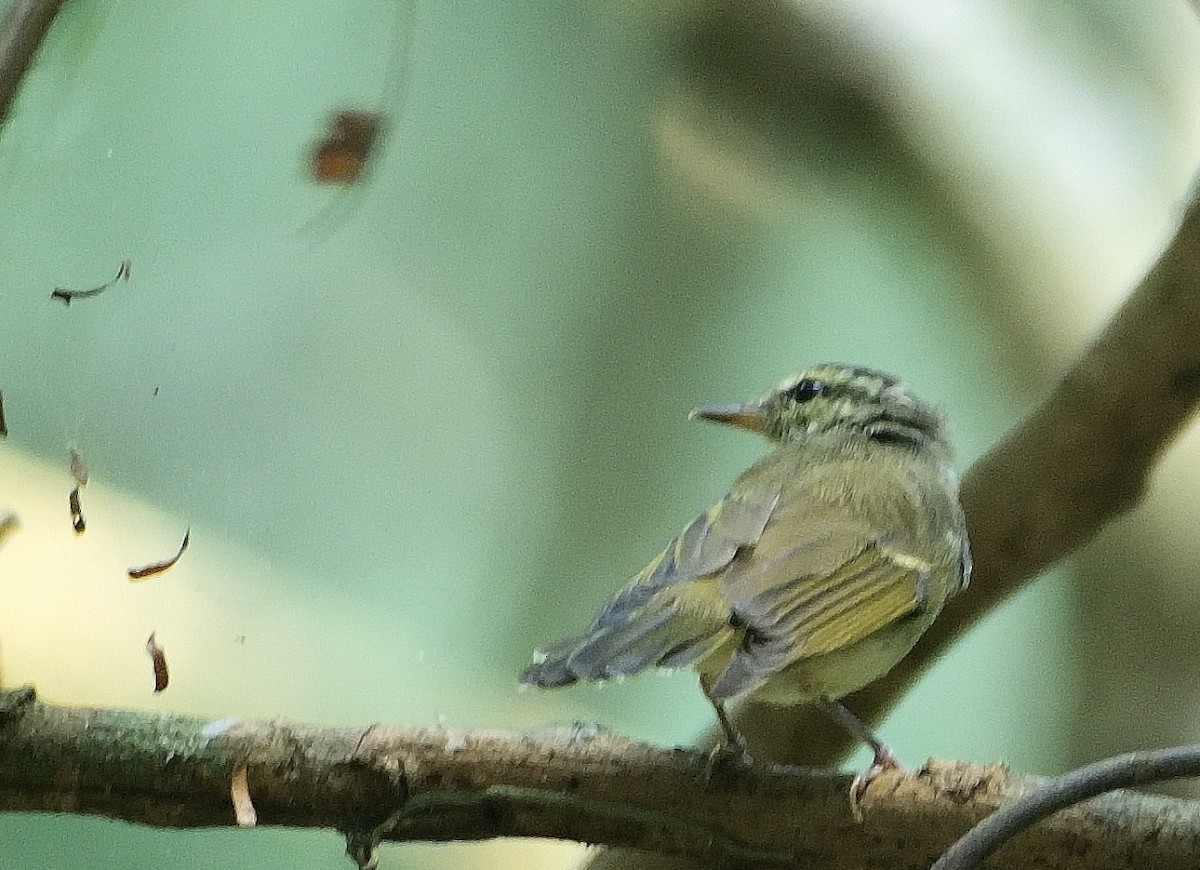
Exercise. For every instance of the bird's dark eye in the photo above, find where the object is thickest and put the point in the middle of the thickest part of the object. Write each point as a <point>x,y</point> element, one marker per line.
<point>805,389</point>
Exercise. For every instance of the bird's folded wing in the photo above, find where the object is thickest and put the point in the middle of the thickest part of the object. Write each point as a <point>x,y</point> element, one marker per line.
<point>798,605</point>
<point>672,613</point>
<point>705,546</point>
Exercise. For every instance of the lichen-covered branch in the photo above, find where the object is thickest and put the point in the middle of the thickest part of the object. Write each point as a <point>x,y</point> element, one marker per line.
<point>580,784</point>
<point>1124,771</point>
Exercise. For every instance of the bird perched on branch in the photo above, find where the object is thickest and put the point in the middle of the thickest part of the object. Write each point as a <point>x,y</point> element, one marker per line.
<point>814,575</point>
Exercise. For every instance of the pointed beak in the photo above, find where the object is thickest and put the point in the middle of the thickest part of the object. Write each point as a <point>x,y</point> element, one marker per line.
<point>750,417</point>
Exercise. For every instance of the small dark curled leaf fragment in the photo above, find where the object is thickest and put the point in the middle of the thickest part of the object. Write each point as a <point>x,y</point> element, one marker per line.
<point>159,659</point>
<point>77,520</point>
<point>158,567</point>
<point>65,296</point>
<point>8,524</point>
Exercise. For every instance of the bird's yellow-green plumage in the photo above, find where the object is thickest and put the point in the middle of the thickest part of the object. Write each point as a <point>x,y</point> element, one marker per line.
<point>816,573</point>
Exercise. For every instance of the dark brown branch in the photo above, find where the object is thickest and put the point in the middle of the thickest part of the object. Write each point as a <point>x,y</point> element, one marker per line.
<point>21,32</point>
<point>587,785</point>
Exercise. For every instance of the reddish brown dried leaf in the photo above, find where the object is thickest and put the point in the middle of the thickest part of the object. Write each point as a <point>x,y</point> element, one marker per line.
<point>340,157</point>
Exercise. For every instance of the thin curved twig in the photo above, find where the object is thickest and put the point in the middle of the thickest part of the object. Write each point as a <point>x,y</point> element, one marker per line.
<point>1120,771</point>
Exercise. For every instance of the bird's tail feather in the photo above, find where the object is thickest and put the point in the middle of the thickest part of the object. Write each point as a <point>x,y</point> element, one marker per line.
<point>549,669</point>
<point>663,638</point>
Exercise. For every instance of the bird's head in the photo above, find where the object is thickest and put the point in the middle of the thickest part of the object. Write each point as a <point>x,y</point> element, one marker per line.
<point>837,398</point>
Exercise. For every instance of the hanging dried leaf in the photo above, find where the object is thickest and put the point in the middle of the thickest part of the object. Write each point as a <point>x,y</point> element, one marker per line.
<point>239,791</point>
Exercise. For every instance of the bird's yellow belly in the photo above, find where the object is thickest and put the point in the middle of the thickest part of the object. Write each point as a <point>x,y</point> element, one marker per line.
<point>839,673</point>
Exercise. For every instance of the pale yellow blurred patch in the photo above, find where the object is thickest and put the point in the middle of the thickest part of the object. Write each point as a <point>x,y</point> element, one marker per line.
<point>240,635</point>
<point>73,624</point>
<point>500,854</point>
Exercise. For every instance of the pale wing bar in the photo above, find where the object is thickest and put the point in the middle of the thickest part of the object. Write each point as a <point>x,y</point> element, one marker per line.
<point>816,614</point>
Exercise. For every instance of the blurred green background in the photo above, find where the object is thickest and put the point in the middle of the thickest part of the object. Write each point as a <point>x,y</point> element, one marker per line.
<point>420,425</point>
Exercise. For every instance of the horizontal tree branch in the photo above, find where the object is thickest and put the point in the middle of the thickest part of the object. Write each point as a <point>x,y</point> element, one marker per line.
<point>576,783</point>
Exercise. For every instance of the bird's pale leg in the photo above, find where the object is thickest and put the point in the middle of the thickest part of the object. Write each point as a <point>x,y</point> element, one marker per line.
<point>734,743</point>
<point>884,758</point>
